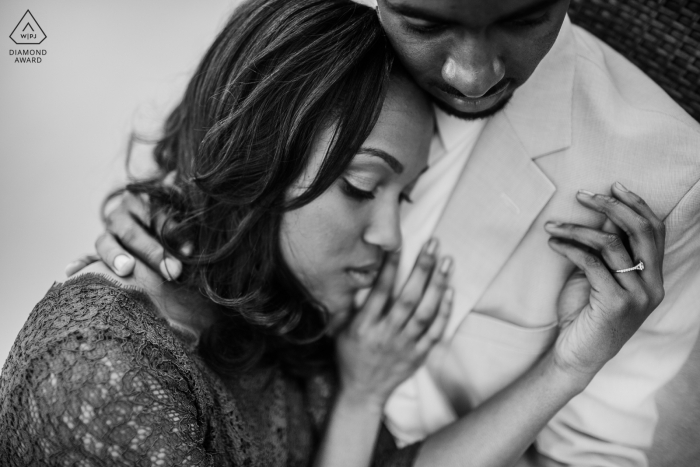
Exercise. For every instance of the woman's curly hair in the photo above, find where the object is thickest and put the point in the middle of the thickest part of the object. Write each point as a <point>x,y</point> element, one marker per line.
<point>279,73</point>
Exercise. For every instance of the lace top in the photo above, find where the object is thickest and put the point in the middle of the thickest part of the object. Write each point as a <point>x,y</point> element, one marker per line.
<point>97,377</point>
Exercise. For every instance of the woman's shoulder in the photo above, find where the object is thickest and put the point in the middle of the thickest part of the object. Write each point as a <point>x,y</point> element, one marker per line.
<point>93,312</point>
<point>90,307</point>
<point>95,368</point>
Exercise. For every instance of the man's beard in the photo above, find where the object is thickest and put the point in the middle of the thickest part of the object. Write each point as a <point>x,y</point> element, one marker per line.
<point>472,115</point>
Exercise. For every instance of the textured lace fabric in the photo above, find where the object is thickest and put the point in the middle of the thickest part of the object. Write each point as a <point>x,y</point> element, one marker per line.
<point>96,377</point>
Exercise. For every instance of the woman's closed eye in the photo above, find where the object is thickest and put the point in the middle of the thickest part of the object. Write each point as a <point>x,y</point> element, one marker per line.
<point>360,194</point>
<point>356,192</point>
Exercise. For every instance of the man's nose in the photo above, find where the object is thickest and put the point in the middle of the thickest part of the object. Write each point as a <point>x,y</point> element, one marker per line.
<point>473,66</point>
<point>384,229</point>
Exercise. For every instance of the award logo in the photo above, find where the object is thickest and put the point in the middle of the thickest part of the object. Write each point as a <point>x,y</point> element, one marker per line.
<point>28,32</point>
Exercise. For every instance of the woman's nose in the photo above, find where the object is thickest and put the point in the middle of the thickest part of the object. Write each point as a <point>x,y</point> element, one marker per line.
<point>384,230</point>
<point>473,67</point>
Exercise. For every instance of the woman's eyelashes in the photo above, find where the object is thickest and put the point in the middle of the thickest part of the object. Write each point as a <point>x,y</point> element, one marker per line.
<point>356,193</point>
<point>360,194</point>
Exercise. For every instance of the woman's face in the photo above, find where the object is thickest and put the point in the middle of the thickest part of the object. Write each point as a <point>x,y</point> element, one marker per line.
<point>335,244</point>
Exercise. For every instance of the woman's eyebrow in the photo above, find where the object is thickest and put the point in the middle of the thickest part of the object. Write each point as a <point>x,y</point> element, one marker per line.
<point>391,161</point>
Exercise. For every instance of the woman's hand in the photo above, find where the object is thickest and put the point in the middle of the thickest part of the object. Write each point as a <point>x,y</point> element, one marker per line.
<point>601,311</point>
<point>387,341</point>
<point>598,312</point>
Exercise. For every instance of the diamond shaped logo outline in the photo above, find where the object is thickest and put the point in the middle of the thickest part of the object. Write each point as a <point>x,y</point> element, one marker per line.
<point>28,20</point>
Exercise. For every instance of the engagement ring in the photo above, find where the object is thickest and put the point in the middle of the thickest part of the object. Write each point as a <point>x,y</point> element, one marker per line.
<point>638,267</point>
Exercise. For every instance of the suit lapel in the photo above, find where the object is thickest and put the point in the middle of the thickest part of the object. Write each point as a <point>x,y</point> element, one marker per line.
<point>502,190</point>
<point>498,196</point>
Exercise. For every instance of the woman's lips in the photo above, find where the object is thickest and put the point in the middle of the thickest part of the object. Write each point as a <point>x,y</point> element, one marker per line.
<point>362,277</point>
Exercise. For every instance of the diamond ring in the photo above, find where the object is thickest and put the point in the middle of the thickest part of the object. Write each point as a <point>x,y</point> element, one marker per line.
<point>638,267</point>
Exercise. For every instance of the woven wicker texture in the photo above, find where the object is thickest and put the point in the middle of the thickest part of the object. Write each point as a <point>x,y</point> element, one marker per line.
<point>661,37</point>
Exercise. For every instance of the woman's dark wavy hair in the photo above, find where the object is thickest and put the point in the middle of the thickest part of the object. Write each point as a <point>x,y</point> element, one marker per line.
<point>280,73</point>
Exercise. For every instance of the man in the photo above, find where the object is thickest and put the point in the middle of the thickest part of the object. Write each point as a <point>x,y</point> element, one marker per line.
<point>529,110</point>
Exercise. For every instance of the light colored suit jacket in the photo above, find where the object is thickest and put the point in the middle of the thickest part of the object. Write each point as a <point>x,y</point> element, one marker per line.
<point>585,119</point>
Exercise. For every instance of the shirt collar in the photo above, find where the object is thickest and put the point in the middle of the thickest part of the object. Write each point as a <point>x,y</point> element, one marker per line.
<point>453,130</point>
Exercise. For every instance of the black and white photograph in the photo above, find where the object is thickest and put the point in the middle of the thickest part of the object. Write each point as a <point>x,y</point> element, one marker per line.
<point>350,233</point>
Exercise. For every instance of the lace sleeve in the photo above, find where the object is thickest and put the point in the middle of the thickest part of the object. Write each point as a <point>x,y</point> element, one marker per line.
<point>93,380</point>
<point>386,454</point>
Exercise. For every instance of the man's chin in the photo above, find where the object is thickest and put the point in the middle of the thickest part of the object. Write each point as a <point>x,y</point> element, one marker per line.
<point>497,107</point>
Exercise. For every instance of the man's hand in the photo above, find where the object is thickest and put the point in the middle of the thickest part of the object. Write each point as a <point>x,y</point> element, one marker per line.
<point>126,238</point>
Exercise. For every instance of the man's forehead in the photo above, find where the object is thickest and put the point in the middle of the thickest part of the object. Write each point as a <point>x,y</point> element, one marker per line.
<point>477,10</point>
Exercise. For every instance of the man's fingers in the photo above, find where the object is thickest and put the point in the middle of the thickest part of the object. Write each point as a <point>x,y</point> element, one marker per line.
<point>130,232</point>
<point>428,307</point>
<point>77,265</point>
<point>113,255</point>
<point>596,272</point>
<point>639,230</point>
<point>137,205</point>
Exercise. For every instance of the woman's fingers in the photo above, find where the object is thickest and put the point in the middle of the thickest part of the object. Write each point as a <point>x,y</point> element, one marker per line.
<point>437,327</point>
<point>610,245</point>
<point>639,230</point>
<point>380,294</point>
<point>412,292</point>
<point>640,206</point>
<point>592,266</point>
<point>427,309</point>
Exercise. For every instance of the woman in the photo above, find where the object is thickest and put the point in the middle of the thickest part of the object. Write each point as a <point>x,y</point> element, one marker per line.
<point>284,166</point>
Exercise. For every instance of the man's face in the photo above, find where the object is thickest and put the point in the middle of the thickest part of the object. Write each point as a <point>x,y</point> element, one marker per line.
<point>470,55</point>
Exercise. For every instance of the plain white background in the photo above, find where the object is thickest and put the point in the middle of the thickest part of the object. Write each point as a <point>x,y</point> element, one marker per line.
<point>109,68</point>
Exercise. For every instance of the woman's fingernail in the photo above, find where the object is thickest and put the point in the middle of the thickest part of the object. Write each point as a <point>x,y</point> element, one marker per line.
<point>449,294</point>
<point>553,241</point>
<point>621,187</point>
<point>120,261</point>
<point>432,246</point>
<point>551,225</point>
<point>586,193</point>
<point>170,269</point>
<point>446,265</point>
